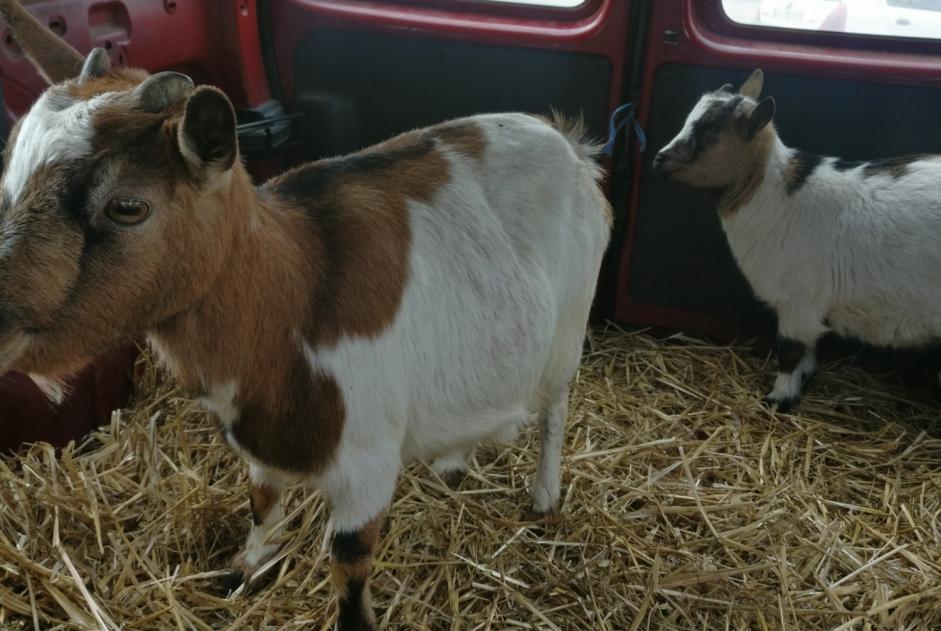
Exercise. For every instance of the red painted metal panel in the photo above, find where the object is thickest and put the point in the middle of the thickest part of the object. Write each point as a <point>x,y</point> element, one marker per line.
<point>214,42</point>
<point>27,416</point>
<point>599,27</point>
<point>708,38</point>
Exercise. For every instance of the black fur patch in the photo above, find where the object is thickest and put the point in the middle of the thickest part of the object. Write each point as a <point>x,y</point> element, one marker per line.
<point>352,616</point>
<point>348,547</point>
<point>894,167</point>
<point>790,353</point>
<point>799,169</point>
<point>314,181</point>
<point>846,165</point>
<point>705,130</point>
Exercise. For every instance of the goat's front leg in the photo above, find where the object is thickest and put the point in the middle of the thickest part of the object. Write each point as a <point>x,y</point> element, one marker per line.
<point>798,333</point>
<point>352,554</point>
<point>360,490</point>
<point>263,542</point>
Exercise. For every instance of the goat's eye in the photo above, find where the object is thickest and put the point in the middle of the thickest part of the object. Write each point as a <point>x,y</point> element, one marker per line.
<point>127,210</point>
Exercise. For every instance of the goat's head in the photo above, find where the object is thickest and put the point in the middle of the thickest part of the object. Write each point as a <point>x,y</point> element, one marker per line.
<point>111,218</point>
<point>722,138</point>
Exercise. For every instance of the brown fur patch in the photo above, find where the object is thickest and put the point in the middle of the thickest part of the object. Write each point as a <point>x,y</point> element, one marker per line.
<point>741,192</point>
<point>352,554</point>
<point>748,167</point>
<point>262,499</point>
<point>109,285</point>
<point>117,80</point>
<point>292,422</point>
<point>333,241</point>
<point>229,281</point>
<point>465,137</point>
<point>800,167</point>
<point>352,558</point>
<point>37,292</point>
<point>360,234</point>
<point>243,329</point>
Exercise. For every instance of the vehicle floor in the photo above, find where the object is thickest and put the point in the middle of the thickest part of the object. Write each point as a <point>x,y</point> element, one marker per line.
<point>687,505</point>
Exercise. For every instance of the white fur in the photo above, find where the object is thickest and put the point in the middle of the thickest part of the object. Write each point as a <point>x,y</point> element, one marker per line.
<point>264,539</point>
<point>787,385</point>
<point>48,135</point>
<point>862,253</point>
<point>450,463</point>
<point>54,389</point>
<point>220,400</point>
<point>546,492</point>
<point>502,271</point>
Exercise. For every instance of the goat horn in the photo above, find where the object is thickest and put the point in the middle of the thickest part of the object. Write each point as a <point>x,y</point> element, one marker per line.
<point>96,64</point>
<point>160,91</point>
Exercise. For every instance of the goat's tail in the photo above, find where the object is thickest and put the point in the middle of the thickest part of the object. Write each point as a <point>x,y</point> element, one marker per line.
<point>574,130</point>
<point>587,149</point>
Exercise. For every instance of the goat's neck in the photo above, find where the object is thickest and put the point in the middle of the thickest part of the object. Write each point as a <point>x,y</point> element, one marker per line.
<point>243,328</point>
<point>753,172</point>
<point>760,221</point>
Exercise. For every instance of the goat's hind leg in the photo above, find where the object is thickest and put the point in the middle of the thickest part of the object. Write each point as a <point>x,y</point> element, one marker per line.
<point>451,468</point>
<point>547,483</point>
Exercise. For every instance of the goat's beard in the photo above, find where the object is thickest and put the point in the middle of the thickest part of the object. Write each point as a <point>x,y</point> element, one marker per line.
<point>31,354</point>
<point>55,388</point>
<point>12,348</point>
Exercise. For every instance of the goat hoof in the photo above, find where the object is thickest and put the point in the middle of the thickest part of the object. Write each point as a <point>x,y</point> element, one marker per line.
<point>232,581</point>
<point>238,577</point>
<point>549,517</point>
<point>782,406</point>
<point>454,478</point>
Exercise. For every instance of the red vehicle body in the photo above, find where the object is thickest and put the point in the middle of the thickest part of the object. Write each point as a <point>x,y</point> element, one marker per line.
<point>313,78</point>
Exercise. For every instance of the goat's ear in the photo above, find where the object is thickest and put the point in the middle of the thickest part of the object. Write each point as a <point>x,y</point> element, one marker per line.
<point>53,57</point>
<point>760,117</point>
<point>752,87</point>
<point>207,132</point>
<point>96,64</point>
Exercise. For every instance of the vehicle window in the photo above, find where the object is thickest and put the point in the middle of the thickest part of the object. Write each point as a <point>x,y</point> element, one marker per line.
<point>559,4</point>
<point>895,18</point>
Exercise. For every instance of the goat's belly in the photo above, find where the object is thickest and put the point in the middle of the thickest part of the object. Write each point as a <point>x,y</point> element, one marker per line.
<point>887,325</point>
<point>443,434</point>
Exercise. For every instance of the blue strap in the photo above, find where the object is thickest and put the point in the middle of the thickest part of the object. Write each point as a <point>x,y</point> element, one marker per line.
<point>620,118</point>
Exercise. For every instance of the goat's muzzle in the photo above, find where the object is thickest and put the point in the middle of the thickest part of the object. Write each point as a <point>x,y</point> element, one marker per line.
<point>665,164</point>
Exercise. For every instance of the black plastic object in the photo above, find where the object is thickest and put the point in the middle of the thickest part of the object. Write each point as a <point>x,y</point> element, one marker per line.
<point>331,127</point>
<point>264,128</point>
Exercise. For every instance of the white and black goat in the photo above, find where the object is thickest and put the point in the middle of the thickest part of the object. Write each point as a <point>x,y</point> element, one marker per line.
<point>407,301</point>
<point>853,247</point>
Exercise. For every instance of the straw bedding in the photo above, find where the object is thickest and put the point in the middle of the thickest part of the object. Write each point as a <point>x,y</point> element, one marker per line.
<point>687,505</point>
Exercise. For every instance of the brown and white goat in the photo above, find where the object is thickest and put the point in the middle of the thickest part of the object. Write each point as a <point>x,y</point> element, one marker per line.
<point>353,314</point>
<point>830,244</point>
